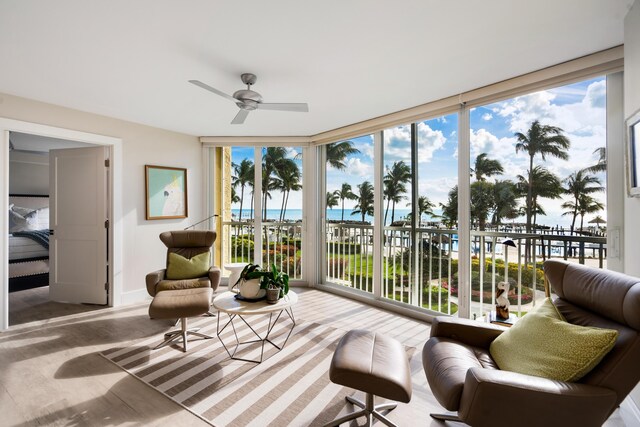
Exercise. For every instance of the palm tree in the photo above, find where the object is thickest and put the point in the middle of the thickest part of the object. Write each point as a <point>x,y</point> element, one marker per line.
<point>579,184</point>
<point>586,205</point>
<point>269,184</point>
<point>450,209</point>
<point>345,192</point>
<point>332,199</point>
<point>601,166</point>
<point>482,202</point>
<point>364,206</point>
<point>545,185</point>
<point>395,186</point>
<point>244,174</point>
<point>425,206</point>
<point>544,140</point>
<point>486,167</point>
<point>504,197</point>
<point>234,196</point>
<point>290,181</point>
<point>338,151</point>
<point>273,160</point>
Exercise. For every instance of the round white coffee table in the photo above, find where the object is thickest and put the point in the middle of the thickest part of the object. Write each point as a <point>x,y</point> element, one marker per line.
<point>227,302</point>
<point>235,268</point>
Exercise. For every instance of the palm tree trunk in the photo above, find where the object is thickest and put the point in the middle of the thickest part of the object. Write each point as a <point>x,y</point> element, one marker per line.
<point>264,205</point>
<point>529,194</point>
<point>284,212</point>
<point>282,208</point>
<point>252,216</point>
<point>393,212</point>
<point>342,219</point>
<point>386,211</point>
<point>241,198</point>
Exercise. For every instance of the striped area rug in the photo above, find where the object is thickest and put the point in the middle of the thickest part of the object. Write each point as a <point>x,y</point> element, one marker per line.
<point>290,387</point>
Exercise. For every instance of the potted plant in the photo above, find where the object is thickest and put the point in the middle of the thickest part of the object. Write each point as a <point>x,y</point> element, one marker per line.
<point>275,283</point>
<point>249,282</point>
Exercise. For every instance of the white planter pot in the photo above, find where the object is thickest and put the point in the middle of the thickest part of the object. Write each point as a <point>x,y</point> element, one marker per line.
<point>251,289</point>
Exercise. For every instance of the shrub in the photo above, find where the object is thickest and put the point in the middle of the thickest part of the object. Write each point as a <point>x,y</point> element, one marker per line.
<point>242,246</point>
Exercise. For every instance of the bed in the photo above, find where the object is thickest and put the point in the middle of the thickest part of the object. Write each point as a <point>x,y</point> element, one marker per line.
<point>28,242</point>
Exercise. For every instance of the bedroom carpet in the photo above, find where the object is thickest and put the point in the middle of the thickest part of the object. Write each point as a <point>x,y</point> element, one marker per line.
<point>290,387</point>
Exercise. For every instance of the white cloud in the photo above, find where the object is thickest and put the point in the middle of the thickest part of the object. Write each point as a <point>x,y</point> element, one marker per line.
<point>292,152</point>
<point>596,95</point>
<point>487,116</point>
<point>437,189</point>
<point>397,143</point>
<point>357,167</point>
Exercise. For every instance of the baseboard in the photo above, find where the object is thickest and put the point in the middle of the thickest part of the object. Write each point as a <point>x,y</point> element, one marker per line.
<point>629,412</point>
<point>134,297</point>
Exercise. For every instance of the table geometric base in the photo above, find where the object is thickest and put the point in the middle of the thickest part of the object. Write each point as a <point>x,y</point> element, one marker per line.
<point>259,339</point>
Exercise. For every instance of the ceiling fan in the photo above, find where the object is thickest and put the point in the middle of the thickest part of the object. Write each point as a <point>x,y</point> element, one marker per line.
<point>249,100</point>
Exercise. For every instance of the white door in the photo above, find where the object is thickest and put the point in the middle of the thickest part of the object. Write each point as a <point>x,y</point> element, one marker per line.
<point>78,215</point>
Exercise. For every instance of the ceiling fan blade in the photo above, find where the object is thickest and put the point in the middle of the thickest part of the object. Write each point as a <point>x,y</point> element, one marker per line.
<point>239,118</point>
<point>299,107</point>
<point>211,89</point>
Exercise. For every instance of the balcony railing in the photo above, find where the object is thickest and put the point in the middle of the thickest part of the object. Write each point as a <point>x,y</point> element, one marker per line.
<point>281,245</point>
<point>421,268</point>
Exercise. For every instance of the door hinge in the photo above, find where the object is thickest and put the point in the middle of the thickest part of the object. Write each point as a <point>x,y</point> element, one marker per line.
<point>106,286</point>
<point>106,223</point>
<point>106,163</point>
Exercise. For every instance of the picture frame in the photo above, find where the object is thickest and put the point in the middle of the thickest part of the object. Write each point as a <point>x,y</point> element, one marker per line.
<point>165,192</point>
<point>632,125</point>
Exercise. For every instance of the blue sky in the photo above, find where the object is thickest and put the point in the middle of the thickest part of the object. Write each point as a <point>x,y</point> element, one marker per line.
<point>579,109</point>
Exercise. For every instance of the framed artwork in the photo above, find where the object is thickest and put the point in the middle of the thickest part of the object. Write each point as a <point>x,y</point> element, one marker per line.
<point>633,154</point>
<point>165,192</point>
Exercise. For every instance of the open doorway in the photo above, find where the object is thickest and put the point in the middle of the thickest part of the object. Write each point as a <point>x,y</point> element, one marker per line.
<point>29,257</point>
<point>111,231</point>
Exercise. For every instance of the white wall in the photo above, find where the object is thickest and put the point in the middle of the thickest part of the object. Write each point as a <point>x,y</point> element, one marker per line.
<point>28,173</point>
<point>142,252</point>
<point>632,104</point>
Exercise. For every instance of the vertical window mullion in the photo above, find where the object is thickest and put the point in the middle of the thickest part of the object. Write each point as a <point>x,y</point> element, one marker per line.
<point>464,214</point>
<point>378,225</point>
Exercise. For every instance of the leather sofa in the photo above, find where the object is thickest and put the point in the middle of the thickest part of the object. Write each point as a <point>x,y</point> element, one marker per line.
<point>464,378</point>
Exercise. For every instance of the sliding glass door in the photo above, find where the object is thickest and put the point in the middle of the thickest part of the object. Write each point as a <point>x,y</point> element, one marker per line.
<point>261,207</point>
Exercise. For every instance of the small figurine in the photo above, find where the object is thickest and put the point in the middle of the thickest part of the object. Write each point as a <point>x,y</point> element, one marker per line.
<point>502,302</point>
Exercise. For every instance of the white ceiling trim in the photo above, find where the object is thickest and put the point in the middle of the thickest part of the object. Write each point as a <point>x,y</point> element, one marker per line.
<point>597,64</point>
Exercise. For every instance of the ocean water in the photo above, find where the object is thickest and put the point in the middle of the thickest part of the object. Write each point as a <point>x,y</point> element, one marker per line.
<point>332,214</point>
<point>336,214</point>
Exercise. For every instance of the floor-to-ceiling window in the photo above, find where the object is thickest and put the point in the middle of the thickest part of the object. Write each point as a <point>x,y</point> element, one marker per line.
<point>553,139</point>
<point>349,184</point>
<point>262,223</point>
<point>538,164</point>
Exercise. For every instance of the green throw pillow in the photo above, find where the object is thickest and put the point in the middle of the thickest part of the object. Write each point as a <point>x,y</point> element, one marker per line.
<point>543,344</point>
<point>180,267</point>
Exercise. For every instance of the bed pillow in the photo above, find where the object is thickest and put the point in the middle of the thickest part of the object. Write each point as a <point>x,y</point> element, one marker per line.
<point>19,222</point>
<point>20,210</point>
<point>180,268</point>
<point>41,221</point>
<point>544,344</point>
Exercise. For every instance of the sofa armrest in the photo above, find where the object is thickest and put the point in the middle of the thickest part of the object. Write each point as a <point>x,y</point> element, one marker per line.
<point>490,395</point>
<point>153,279</point>
<point>469,332</point>
<point>214,277</point>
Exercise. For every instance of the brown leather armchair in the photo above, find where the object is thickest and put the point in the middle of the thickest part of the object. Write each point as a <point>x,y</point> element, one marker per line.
<point>464,378</point>
<point>187,243</point>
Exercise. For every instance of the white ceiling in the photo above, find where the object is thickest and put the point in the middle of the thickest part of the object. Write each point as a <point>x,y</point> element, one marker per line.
<point>351,60</point>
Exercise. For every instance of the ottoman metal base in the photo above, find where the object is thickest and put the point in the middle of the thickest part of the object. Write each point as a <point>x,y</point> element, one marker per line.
<point>368,410</point>
<point>181,334</point>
